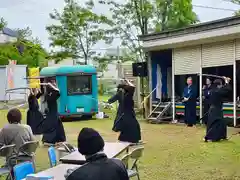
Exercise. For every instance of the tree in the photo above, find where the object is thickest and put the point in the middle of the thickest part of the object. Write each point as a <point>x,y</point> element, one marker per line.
<point>3,23</point>
<point>139,17</point>
<point>78,31</point>
<point>238,3</point>
<point>173,14</point>
<point>26,50</point>
<point>235,1</point>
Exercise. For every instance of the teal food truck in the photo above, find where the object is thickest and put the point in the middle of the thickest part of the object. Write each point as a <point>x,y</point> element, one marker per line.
<point>78,89</point>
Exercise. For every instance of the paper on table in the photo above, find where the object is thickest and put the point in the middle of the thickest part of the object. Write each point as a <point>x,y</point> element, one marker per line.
<point>36,177</point>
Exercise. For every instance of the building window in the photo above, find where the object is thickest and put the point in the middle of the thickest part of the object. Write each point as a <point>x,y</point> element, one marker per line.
<point>79,84</point>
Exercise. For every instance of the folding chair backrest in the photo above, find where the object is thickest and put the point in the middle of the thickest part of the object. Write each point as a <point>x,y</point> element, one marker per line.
<point>7,150</point>
<point>68,147</point>
<point>22,170</point>
<point>125,159</point>
<point>29,148</point>
<point>137,153</point>
<point>52,156</point>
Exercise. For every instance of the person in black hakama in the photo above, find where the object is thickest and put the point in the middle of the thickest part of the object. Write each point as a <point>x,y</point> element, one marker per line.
<point>34,116</point>
<point>189,100</point>
<point>216,126</point>
<point>206,95</point>
<point>53,127</point>
<point>125,121</point>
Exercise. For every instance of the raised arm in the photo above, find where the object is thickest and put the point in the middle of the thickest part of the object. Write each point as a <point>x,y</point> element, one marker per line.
<point>115,97</point>
<point>226,88</point>
<point>39,94</point>
<point>54,94</point>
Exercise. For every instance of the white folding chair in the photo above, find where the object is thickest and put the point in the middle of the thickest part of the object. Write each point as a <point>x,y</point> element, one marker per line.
<point>125,160</point>
<point>27,152</point>
<point>6,152</point>
<point>135,155</point>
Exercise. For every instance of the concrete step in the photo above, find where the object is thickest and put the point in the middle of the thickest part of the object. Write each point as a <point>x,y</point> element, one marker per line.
<point>156,112</point>
<point>163,103</point>
<point>162,120</point>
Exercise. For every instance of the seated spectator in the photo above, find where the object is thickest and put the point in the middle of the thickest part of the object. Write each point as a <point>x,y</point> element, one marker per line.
<point>15,132</point>
<point>98,166</point>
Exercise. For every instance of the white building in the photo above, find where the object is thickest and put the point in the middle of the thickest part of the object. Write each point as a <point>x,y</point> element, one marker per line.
<point>7,35</point>
<point>206,48</point>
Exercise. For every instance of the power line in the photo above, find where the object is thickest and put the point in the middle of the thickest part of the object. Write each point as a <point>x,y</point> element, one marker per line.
<point>209,7</point>
<point>229,1</point>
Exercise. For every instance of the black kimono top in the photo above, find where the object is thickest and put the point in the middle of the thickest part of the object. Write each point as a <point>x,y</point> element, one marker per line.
<point>100,167</point>
<point>33,101</point>
<point>217,95</point>
<point>51,98</point>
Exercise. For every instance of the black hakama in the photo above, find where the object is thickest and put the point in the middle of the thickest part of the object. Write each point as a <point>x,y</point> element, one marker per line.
<point>53,127</point>
<point>34,116</point>
<point>125,121</point>
<point>206,103</point>
<point>216,126</point>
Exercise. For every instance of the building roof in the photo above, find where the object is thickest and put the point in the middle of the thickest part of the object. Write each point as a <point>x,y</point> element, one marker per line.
<point>220,23</point>
<point>61,70</point>
<point>9,32</point>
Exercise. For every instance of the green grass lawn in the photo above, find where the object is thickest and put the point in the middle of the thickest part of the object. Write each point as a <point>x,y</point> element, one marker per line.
<point>172,152</point>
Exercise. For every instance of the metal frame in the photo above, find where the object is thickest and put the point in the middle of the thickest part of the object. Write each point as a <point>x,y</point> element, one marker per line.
<point>200,86</point>
<point>150,80</point>
<point>173,88</point>
<point>234,86</point>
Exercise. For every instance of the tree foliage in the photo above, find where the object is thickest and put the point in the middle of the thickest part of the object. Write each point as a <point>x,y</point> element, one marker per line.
<point>78,30</point>
<point>26,50</point>
<point>238,3</point>
<point>3,23</point>
<point>140,17</point>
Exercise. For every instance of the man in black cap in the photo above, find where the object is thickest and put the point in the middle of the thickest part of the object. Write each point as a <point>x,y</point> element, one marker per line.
<point>98,166</point>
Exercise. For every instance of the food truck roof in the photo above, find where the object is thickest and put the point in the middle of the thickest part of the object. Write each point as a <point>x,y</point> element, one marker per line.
<point>64,70</point>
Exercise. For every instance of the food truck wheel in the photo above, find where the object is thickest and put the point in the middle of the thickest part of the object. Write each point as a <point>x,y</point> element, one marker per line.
<point>87,117</point>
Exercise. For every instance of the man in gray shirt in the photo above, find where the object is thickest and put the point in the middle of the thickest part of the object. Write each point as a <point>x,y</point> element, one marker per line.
<point>15,132</point>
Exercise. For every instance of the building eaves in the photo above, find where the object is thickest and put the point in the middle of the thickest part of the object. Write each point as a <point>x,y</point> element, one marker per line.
<point>206,26</point>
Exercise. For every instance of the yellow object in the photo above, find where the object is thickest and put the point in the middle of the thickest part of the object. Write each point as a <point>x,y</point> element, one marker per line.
<point>34,83</point>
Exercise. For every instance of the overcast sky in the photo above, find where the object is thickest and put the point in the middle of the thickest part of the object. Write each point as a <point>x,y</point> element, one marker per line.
<point>35,14</point>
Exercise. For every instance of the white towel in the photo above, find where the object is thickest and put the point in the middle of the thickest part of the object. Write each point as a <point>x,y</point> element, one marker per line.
<point>159,83</point>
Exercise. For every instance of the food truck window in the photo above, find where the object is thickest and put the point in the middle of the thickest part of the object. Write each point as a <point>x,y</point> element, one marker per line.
<point>79,84</point>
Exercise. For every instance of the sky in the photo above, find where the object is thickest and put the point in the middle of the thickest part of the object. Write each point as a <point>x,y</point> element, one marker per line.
<point>35,14</point>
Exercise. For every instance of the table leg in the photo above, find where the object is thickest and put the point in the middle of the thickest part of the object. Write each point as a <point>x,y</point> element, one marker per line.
<point>127,151</point>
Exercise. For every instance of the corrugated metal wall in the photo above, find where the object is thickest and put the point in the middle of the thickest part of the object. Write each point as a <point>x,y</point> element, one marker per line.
<point>187,60</point>
<point>3,80</point>
<point>218,54</point>
<point>19,75</point>
<point>19,79</point>
<point>238,49</point>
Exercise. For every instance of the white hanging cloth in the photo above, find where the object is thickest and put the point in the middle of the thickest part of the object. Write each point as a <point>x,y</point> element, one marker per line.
<point>159,83</point>
<point>169,82</point>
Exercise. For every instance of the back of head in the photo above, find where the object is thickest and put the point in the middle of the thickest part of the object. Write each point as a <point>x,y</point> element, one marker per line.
<point>14,116</point>
<point>217,82</point>
<point>90,142</point>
